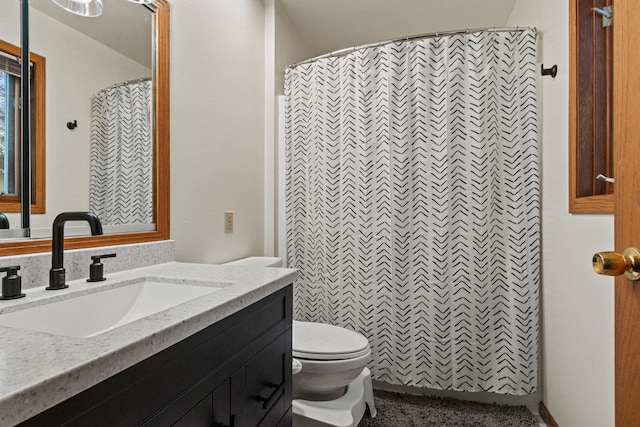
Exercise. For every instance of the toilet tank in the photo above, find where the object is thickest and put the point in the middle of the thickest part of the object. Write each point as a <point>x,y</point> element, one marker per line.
<point>257,261</point>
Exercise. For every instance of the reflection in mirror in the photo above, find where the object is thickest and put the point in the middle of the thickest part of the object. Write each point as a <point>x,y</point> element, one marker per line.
<point>10,119</point>
<point>100,79</point>
<point>4,222</point>
<point>11,129</point>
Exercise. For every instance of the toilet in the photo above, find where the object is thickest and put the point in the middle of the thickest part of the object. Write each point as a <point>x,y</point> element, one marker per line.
<point>331,381</point>
<point>331,356</point>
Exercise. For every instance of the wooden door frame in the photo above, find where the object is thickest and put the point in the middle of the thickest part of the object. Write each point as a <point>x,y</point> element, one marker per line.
<point>626,126</point>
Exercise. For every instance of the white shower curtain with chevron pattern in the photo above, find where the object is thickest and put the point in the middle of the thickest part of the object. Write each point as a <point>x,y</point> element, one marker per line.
<point>413,206</point>
<point>121,164</point>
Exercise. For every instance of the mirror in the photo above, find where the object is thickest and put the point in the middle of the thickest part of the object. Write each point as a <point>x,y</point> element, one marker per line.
<point>87,64</point>
<point>10,117</point>
<point>99,115</point>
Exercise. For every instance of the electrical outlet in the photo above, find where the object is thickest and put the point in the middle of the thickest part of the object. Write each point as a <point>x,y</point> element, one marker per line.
<point>228,222</point>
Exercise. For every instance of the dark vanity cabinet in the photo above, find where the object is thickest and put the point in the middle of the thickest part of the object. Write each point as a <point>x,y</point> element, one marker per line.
<point>235,373</point>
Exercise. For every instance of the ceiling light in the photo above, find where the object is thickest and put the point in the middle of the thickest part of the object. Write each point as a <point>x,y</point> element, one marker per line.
<point>142,1</point>
<point>81,7</point>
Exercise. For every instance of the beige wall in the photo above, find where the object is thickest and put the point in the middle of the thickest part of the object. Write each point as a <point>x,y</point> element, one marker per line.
<point>291,46</point>
<point>10,22</point>
<point>217,128</point>
<point>577,305</point>
<point>287,46</point>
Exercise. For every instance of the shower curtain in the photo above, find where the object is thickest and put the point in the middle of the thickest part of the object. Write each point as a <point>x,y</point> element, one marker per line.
<point>413,206</point>
<point>121,164</point>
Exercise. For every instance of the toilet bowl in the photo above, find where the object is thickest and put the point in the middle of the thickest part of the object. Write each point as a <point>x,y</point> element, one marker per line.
<point>332,357</point>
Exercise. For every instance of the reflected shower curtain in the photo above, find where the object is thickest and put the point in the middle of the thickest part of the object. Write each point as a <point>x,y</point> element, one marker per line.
<point>413,206</point>
<point>121,176</point>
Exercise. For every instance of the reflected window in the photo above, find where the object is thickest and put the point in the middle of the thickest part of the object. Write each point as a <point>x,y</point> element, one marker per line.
<point>9,124</point>
<point>11,129</point>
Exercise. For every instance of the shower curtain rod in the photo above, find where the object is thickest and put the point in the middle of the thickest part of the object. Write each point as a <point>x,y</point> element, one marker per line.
<point>346,51</point>
<point>128,82</point>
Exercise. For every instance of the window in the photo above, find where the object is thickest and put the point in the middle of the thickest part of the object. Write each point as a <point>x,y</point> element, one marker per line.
<point>9,125</point>
<point>11,129</point>
<point>590,104</point>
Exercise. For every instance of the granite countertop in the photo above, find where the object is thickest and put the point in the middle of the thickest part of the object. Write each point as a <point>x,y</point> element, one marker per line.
<point>39,370</point>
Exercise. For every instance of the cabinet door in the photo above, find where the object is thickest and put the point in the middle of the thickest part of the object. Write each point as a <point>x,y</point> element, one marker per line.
<point>264,385</point>
<point>212,411</point>
<point>221,404</point>
<point>199,415</point>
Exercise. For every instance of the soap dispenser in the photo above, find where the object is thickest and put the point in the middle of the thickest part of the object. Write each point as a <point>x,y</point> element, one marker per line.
<point>11,283</point>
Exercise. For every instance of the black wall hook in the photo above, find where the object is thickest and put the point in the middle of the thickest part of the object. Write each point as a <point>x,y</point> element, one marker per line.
<point>72,125</point>
<point>553,71</point>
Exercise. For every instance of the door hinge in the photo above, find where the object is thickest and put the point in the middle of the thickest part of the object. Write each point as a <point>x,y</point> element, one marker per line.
<point>607,15</point>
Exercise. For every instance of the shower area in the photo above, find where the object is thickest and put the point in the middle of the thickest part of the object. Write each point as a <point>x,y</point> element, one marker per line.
<point>412,204</point>
<point>121,155</point>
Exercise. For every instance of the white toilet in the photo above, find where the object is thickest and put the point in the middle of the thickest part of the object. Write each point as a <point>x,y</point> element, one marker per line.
<point>332,359</point>
<point>331,356</point>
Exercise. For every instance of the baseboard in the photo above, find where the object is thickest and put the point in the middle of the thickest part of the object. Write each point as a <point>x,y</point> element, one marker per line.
<point>546,416</point>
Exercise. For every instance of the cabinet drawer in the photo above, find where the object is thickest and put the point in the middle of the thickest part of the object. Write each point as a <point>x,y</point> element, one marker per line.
<point>265,384</point>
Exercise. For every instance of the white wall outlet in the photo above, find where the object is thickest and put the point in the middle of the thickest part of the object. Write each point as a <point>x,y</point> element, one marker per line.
<point>228,222</point>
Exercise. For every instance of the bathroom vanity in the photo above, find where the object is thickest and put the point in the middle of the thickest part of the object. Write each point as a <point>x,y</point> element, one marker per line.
<point>221,359</point>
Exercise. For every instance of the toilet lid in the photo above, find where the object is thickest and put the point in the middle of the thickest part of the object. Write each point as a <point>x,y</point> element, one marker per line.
<point>319,341</point>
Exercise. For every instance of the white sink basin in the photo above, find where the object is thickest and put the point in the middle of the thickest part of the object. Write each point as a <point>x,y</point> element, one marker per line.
<point>92,314</point>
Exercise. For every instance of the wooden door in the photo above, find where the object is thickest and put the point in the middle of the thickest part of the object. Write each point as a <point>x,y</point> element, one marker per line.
<point>626,113</point>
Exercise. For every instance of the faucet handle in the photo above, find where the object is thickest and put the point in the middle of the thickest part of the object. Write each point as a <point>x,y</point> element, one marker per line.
<point>97,258</point>
<point>11,283</point>
<point>96,269</point>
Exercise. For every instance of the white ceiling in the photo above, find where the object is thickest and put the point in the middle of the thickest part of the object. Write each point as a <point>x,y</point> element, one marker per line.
<point>124,26</point>
<point>329,25</point>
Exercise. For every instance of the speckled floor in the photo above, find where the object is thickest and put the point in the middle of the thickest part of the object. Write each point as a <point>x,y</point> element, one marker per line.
<point>405,410</point>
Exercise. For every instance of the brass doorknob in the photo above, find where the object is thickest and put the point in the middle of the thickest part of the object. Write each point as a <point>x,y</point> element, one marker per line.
<point>615,264</point>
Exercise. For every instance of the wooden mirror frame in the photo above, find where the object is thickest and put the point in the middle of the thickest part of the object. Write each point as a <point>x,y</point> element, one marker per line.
<point>161,204</point>
<point>590,109</point>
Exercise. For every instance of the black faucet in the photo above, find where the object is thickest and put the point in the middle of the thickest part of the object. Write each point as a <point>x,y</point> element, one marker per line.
<point>57,272</point>
<point>4,222</point>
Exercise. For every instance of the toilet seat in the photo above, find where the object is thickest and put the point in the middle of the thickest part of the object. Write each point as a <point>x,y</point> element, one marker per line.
<point>320,341</point>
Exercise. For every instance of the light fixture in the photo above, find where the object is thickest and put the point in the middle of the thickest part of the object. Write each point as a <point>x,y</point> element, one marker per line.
<point>142,1</point>
<point>81,7</point>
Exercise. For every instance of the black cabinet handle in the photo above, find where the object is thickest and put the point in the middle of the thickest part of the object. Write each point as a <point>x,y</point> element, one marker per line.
<point>266,401</point>
<point>233,423</point>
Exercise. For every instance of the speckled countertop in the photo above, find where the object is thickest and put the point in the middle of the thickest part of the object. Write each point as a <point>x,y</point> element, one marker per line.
<point>39,370</point>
